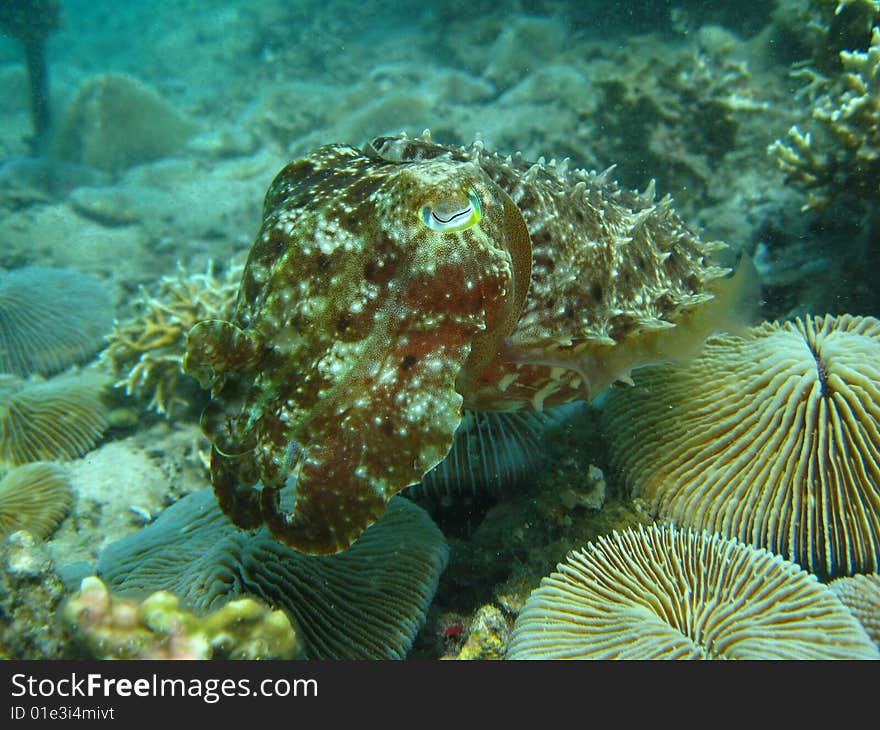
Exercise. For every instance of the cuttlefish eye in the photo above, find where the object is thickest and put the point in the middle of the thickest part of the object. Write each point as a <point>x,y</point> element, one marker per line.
<point>453,214</point>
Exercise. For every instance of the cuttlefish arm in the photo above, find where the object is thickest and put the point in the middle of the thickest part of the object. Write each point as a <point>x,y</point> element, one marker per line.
<point>373,292</point>
<point>214,347</point>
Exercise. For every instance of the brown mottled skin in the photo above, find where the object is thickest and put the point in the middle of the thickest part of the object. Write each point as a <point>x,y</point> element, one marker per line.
<point>360,332</point>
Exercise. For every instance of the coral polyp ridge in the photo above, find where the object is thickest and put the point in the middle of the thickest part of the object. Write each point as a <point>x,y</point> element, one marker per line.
<point>391,287</point>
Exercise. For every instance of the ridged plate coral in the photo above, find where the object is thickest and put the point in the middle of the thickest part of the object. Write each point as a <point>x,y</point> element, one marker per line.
<point>34,497</point>
<point>367,602</point>
<point>861,595</point>
<point>40,332</point>
<point>60,418</point>
<point>664,593</point>
<point>773,438</point>
<point>493,452</point>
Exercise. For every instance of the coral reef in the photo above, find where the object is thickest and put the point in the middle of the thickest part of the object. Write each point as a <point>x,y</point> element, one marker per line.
<point>500,553</point>
<point>367,602</point>
<point>817,31</point>
<point>47,420</point>
<point>115,122</point>
<point>40,332</point>
<point>772,437</point>
<point>34,497</point>
<point>112,627</point>
<point>390,287</point>
<point>147,348</point>
<point>30,594</point>
<point>669,114</point>
<point>664,593</point>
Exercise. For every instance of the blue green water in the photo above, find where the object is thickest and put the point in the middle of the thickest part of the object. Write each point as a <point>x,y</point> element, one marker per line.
<point>141,159</point>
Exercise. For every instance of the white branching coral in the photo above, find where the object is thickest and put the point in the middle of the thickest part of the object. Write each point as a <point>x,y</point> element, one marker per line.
<point>840,151</point>
<point>147,349</point>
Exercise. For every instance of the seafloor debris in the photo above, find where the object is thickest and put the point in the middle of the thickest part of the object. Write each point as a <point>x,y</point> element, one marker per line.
<point>30,592</point>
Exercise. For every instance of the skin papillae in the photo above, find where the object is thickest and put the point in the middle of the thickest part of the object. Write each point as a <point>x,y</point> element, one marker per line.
<point>390,287</point>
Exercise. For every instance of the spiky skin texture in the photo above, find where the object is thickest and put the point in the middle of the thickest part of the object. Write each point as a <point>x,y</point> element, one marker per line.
<point>390,287</point>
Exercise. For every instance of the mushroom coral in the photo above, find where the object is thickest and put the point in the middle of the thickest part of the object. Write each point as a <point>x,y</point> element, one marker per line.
<point>664,593</point>
<point>40,332</point>
<point>34,497</point>
<point>60,418</point>
<point>772,438</point>
<point>367,602</point>
<point>493,452</point>
<point>861,595</point>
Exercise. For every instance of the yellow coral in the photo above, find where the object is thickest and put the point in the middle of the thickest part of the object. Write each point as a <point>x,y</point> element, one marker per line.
<point>34,497</point>
<point>60,418</point>
<point>113,627</point>
<point>488,635</point>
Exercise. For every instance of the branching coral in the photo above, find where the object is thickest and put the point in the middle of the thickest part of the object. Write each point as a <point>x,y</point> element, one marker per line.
<point>821,29</point>
<point>839,152</point>
<point>147,348</point>
<point>675,117</point>
<point>112,627</point>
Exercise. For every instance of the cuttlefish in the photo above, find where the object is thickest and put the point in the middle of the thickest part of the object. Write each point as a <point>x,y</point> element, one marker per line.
<point>391,287</point>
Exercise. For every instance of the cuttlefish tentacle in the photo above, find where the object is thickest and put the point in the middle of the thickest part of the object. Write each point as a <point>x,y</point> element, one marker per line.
<point>214,349</point>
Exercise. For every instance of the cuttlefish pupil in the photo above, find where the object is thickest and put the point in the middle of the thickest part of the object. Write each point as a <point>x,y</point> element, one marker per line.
<point>453,215</point>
